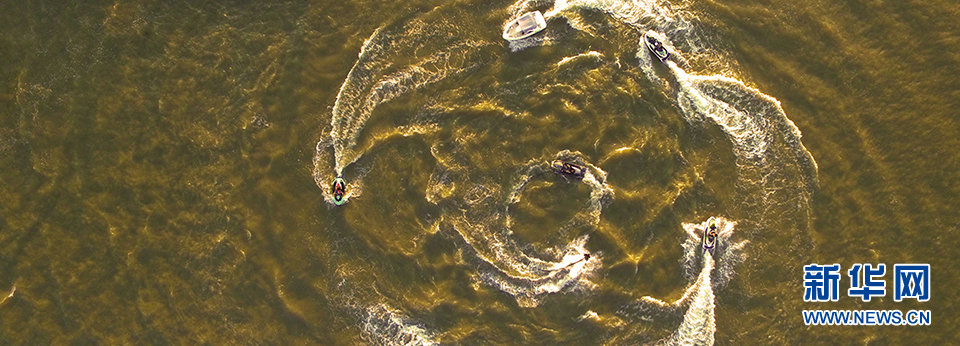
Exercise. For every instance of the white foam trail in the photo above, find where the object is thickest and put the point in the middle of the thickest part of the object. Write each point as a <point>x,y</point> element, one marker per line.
<point>528,278</point>
<point>747,131</point>
<point>634,12</point>
<point>12,292</point>
<point>362,92</point>
<point>591,54</point>
<point>699,323</point>
<point>647,61</point>
<point>362,71</point>
<point>749,117</point>
<point>483,224</point>
<point>383,326</point>
<point>539,278</point>
<point>380,74</point>
<point>542,39</point>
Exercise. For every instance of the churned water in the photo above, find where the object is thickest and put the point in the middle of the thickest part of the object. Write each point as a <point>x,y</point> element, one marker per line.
<point>167,169</point>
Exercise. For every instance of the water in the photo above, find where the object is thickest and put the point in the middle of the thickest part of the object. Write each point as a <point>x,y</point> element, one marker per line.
<point>167,169</point>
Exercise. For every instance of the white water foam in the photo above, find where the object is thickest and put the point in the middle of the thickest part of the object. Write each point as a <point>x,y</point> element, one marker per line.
<point>378,76</point>
<point>748,116</point>
<point>483,226</point>
<point>591,54</point>
<point>751,119</point>
<point>634,12</point>
<point>385,327</point>
<point>699,323</point>
<point>528,284</point>
<point>352,109</point>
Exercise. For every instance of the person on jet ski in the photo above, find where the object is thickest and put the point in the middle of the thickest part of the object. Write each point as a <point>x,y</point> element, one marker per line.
<point>339,190</point>
<point>568,169</point>
<point>653,41</point>
<point>710,234</point>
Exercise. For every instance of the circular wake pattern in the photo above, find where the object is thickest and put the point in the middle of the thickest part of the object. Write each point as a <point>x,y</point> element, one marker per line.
<point>481,217</point>
<point>528,238</point>
<point>394,61</point>
<point>753,120</point>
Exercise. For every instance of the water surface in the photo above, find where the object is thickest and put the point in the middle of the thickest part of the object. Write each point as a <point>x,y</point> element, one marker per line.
<point>166,170</point>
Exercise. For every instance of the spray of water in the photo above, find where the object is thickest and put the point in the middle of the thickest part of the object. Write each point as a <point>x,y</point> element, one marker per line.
<point>381,74</point>
<point>707,272</point>
<point>481,224</point>
<point>383,326</point>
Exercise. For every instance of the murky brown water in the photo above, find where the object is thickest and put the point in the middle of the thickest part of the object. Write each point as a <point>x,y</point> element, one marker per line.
<point>162,181</point>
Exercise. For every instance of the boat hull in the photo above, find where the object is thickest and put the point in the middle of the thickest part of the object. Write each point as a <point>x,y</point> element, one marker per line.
<point>516,30</point>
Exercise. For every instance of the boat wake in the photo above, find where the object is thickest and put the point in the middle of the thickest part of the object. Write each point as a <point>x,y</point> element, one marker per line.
<point>771,158</point>
<point>641,14</point>
<point>383,326</point>
<point>752,119</point>
<point>776,173</point>
<point>362,302</point>
<point>483,216</point>
<point>481,223</point>
<point>706,275</point>
<point>393,61</point>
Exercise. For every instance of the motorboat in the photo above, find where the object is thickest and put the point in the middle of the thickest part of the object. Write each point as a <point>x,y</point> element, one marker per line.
<point>710,234</point>
<point>569,169</point>
<point>524,26</point>
<point>655,46</point>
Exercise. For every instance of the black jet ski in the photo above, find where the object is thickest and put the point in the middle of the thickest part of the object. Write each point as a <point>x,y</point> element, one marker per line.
<point>710,234</point>
<point>568,169</point>
<point>339,190</point>
<point>655,46</point>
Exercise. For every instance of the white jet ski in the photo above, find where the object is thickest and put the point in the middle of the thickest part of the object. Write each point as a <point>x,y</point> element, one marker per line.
<point>655,46</point>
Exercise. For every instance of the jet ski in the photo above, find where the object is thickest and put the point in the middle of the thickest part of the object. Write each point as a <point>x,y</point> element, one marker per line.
<point>568,169</point>
<point>339,190</point>
<point>710,234</point>
<point>524,26</point>
<point>655,46</point>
